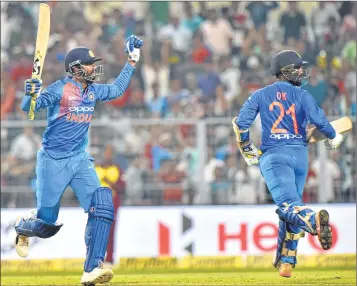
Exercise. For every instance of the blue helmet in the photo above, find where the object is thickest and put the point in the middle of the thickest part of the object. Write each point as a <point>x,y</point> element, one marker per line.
<point>288,64</point>
<point>79,57</point>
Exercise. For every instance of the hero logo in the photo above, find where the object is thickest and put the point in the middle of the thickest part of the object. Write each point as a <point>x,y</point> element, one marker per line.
<point>285,136</point>
<point>81,108</point>
<point>246,237</point>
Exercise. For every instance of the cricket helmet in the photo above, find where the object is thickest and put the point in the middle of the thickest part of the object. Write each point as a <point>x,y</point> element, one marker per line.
<point>77,58</point>
<point>290,64</point>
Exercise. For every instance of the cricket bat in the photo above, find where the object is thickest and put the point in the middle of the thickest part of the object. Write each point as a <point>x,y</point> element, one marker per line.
<point>341,125</point>
<point>43,34</point>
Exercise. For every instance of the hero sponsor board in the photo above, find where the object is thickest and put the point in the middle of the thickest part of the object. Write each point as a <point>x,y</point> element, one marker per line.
<point>222,231</point>
<point>202,231</point>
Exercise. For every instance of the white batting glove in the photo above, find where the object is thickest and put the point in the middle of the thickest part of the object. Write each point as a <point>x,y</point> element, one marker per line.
<point>250,153</point>
<point>134,55</point>
<point>331,144</point>
<point>132,47</point>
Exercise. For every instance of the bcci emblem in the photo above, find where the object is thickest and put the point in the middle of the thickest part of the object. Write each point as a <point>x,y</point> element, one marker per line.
<point>91,54</point>
<point>91,96</point>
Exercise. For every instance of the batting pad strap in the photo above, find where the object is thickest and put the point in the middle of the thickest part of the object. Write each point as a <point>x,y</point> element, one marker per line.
<point>241,135</point>
<point>102,204</point>
<point>288,252</point>
<point>294,236</point>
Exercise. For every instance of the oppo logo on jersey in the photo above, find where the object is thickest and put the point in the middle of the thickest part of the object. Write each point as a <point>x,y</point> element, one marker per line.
<point>285,136</point>
<point>81,108</point>
<point>77,114</point>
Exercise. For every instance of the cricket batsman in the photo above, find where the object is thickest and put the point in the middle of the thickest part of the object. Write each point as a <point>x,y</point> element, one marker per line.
<point>62,161</point>
<point>285,109</point>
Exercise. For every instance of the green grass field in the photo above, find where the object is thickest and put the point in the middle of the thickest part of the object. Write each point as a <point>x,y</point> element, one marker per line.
<point>240,277</point>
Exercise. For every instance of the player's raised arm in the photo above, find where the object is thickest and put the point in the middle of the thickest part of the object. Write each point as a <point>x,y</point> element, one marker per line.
<point>241,125</point>
<point>117,88</point>
<point>46,98</point>
<point>317,117</point>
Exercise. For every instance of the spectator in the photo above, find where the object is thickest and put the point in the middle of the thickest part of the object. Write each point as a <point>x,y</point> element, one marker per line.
<point>229,77</point>
<point>332,173</point>
<point>208,82</point>
<point>220,187</point>
<point>320,17</point>
<point>133,178</point>
<point>176,93</point>
<point>191,20</point>
<point>110,175</point>
<point>25,146</point>
<point>212,163</point>
<point>310,191</point>
<point>317,86</point>
<point>161,152</point>
<point>189,164</point>
<point>172,180</point>
<point>158,105</point>
<point>179,35</point>
<point>218,34</point>
<point>292,20</point>
<point>200,51</point>
<point>249,185</point>
<point>259,12</point>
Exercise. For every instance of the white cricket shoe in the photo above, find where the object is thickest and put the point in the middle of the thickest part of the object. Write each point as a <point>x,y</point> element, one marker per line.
<point>98,275</point>
<point>22,243</point>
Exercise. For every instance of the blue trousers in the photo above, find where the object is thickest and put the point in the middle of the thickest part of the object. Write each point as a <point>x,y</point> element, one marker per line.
<point>55,175</point>
<point>285,170</point>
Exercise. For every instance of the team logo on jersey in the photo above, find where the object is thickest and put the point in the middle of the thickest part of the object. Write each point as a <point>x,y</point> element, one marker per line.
<point>91,96</point>
<point>91,54</point>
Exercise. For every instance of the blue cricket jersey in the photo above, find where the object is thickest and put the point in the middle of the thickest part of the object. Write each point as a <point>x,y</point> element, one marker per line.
<point>285,110</point>
<point>70,109</point>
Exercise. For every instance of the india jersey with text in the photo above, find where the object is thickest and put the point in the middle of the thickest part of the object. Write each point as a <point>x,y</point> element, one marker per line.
<point>70,110</point>
<point>285,110</point>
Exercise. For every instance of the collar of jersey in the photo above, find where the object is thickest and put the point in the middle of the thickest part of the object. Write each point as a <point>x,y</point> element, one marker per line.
<point>283,81</point>
<point>71,80</point>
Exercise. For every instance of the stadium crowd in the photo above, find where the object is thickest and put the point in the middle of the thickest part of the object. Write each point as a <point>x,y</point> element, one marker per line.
<point>200,60</point>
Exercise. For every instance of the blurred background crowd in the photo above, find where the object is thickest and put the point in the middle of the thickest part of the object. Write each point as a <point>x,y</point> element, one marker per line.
<point>168,139</point>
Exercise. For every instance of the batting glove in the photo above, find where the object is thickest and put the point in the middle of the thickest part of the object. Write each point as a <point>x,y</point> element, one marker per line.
<point>250,153</point>
<point>331,144</point>
<point>132,47</point>
<point>32,86</point>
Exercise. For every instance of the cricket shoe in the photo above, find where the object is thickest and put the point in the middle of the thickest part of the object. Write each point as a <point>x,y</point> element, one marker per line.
<point>285,270</point>
<point>323,229</point>
<point>98,275</point>
<point>22,243</point>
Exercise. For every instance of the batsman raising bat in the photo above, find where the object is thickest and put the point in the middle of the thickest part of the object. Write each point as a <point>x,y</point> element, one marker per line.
<point>63,161</point>
<point>285,110</point>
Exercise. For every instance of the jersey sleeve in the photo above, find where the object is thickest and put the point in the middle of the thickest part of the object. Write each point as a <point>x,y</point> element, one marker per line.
<point>48,97</point>
<point>112,91</point>
<point>316,115</point>
<point>247,115</point>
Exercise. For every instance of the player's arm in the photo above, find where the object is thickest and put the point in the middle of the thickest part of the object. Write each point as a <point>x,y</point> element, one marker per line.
<point>48,97</point>
<point>112,91</point>
<point>317,117</point>
<point>241,125</point>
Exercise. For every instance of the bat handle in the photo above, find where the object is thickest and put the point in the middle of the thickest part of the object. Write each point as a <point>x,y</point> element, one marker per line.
<point>31,114</point>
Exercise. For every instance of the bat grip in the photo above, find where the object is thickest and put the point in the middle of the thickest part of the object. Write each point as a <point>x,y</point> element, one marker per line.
<point>31,114</point>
